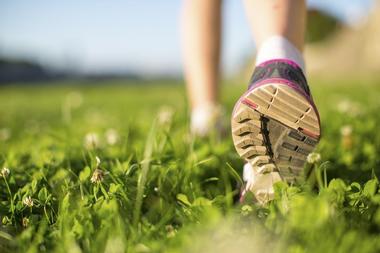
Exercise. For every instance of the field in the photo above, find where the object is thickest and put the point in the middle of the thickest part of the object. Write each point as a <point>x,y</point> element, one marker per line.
<point>112,168</point>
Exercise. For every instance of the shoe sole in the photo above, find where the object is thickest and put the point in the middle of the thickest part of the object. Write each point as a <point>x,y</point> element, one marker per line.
<point>275,127</point>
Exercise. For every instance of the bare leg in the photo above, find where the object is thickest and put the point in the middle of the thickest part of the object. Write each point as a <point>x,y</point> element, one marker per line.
<point>201,43</point>
<point>286,18</point>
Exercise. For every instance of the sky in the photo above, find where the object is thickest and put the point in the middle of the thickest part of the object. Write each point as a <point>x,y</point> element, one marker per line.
<point>142,36</point>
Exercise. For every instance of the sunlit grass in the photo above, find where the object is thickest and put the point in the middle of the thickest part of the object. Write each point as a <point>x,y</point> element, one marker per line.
<point>113,168</point>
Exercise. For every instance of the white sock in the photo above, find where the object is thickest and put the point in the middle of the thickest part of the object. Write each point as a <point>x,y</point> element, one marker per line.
<point>278,47</point>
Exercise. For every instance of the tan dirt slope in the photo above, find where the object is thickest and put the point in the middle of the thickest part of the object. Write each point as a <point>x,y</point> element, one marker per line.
<point>350,51</point>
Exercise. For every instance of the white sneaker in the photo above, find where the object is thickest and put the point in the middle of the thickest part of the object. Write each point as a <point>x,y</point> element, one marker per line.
<point>207,119</point>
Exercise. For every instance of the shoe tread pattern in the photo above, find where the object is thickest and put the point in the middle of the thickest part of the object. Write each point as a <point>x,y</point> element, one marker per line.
<point>280,144</point>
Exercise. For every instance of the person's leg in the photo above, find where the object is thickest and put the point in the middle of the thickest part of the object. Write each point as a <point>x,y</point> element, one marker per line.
<point>201,45</point>
<point>278,27</point>
<point>277,17</point>
<point>275,124</point>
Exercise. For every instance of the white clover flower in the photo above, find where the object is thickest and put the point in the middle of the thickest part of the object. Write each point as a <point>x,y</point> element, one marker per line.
<point>344,105</point>
<point>28,201</point>
<point>5,172</point>
<point>74,99</point>
<point>25,222</point>
<point>313,158</point>
<point>91,140</point>
<point>346,130</point>
<point>97,176</point>
<point>112,136</point>
<point>165,115</point>
<point>349,107</point>
<point>97,161</point>
<point>346,133</point>
<point>5,134</point>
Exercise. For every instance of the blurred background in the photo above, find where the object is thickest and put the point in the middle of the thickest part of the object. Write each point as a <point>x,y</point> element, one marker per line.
<point>58,40</point>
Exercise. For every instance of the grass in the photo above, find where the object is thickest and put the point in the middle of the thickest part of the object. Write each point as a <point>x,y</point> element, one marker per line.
<point>157,189</point>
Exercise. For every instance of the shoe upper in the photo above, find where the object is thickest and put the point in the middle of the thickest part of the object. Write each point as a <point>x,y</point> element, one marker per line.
<point>282,69</point>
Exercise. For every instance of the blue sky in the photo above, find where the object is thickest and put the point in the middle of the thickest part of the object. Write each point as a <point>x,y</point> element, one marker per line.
<point>143,36</point>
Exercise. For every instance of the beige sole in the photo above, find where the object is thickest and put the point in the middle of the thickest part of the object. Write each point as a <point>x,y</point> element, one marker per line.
<point>275,128</point>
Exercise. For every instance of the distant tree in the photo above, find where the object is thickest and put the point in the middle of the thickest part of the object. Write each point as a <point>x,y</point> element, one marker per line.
<point>321,26</point>
<point>21,71</point>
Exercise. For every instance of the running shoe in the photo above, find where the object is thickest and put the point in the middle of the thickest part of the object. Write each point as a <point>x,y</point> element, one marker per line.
<point>275,125</point>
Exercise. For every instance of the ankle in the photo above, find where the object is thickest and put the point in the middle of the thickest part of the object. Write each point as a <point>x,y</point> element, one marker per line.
<point>278,47</point>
